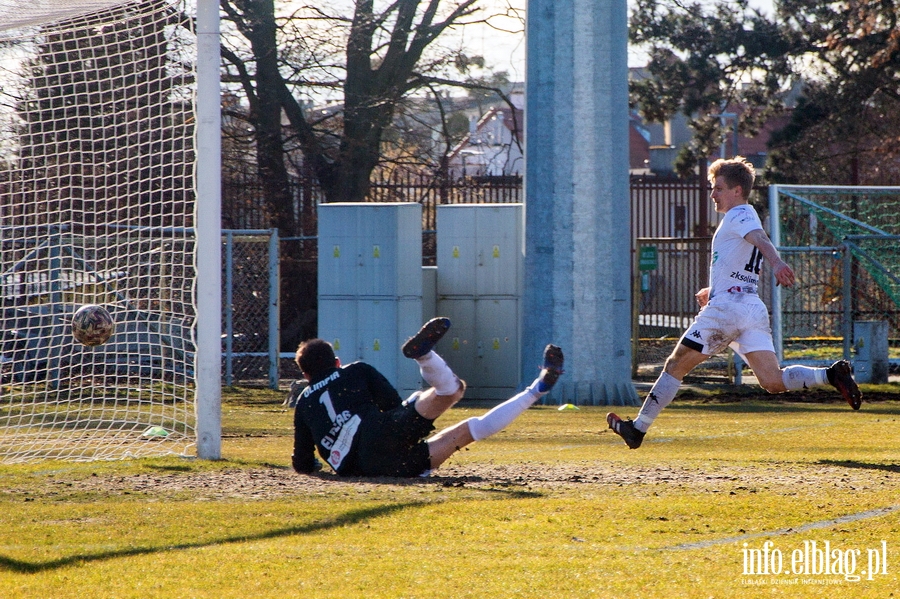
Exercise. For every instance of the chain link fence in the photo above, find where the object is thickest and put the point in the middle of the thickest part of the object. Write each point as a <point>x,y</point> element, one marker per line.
<point>844,245</point>
<point>670,270</point>
<point>250,319</point>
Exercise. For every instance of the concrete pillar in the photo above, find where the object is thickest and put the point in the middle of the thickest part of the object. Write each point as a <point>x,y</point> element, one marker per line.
<point>577,223</point>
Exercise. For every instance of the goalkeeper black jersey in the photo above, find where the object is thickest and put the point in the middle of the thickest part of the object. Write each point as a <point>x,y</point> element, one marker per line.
<point>331,412</point>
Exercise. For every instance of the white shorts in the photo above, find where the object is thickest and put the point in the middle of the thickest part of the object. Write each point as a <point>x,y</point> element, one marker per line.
<point>741,322</point>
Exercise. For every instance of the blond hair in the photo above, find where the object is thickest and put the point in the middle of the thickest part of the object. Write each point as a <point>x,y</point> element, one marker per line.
<point>735,171</point>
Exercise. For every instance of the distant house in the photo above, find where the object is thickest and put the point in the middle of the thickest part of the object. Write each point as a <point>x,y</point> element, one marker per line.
<point>655,146</point>
<point>493,146</point>
<point>663,141</point>
<point>639,141</point>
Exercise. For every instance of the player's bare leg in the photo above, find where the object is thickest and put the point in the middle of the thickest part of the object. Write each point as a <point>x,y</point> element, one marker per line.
<point>448,441</point>
<point>682,360</point>
<point>767,370</point>
<point>430,404</point>
<point>775,379</point>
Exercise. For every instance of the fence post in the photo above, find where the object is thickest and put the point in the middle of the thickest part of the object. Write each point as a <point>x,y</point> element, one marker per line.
<point>775,236</point>
<point>847,280</point>
<point>274,309</point>
<point>229,307</point>
<point>702,201</point>
<point>635,309</point>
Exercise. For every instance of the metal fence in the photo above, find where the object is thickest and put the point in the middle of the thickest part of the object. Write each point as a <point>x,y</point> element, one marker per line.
<point>668,207</point>
<point>669,272</point>
<point>844,245</point>
<point>250,319</point>
<point>671,223</point>
<point>841,242</point>
<point>243,205</point>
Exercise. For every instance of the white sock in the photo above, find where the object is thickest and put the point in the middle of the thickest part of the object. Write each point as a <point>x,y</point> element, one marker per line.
<point>437,374</point>
<point>661,395</point>
<point>803,377</point>
<point>499,417</point>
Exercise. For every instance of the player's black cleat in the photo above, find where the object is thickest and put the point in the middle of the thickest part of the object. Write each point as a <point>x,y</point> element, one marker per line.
<point>625,429</point>
<point>841,377</point>
<point>551,368</point>
<point>424,341</point>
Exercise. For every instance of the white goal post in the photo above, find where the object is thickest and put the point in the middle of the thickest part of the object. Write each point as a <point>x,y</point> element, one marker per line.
<point>109,194</point>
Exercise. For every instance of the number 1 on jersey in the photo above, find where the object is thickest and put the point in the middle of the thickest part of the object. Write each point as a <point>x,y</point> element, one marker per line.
<point>755,261</point>
<point>325,400</point>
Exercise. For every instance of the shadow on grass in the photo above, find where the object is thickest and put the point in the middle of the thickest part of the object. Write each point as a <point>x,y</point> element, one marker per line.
<point>507,487</point>
<point>506,491</point>
<point>861,465</point>
<point>349,518</point>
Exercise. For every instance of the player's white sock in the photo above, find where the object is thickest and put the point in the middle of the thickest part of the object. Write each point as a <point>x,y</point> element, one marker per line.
<point>499,417</point>
<point>437,374</point>
<point>803,377</point>
<point>661,395</point>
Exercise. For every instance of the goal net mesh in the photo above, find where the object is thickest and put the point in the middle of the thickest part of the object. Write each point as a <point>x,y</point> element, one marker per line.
<point>816,222</point>
<point>96,207</point>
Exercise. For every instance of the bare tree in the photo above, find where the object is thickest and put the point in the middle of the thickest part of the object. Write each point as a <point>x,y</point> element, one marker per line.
<point>263,88</point>
<point>368,60</point>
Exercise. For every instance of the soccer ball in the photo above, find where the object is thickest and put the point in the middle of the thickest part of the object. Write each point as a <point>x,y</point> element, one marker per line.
<point>92,325</point>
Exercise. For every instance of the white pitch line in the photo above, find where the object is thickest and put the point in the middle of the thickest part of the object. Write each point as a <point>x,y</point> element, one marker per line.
<point>786,531</point>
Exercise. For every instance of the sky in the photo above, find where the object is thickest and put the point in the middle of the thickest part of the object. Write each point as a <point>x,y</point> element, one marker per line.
<point>506,51</point>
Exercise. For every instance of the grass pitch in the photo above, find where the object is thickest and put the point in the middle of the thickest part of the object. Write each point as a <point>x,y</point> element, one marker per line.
<point>747,498</point>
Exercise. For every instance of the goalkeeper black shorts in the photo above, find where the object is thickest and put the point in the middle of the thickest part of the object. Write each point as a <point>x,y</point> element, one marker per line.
<point>393,444</point>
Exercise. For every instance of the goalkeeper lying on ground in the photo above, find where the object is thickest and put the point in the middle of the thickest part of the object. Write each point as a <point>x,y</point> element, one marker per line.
<point>361,427</point>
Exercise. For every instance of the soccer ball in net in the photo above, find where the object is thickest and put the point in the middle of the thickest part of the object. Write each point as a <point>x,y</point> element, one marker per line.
<point>92,325</point>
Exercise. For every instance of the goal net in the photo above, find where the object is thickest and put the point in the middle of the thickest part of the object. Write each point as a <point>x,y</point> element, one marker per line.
<point>96,207</point>
<point>844,244</point>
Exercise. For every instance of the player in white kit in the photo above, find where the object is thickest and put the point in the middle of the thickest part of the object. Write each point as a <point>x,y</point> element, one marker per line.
<point>731,312</point>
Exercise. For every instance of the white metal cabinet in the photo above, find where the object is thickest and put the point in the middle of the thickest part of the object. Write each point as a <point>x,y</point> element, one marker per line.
<point>480,265</point>
<point>370,284</point>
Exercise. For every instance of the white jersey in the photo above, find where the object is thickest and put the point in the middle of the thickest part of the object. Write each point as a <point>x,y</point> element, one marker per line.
<point>736,262</point>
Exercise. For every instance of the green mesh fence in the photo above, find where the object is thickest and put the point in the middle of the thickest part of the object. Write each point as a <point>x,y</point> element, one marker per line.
<point>816,225</point>
<point>866,219</point>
